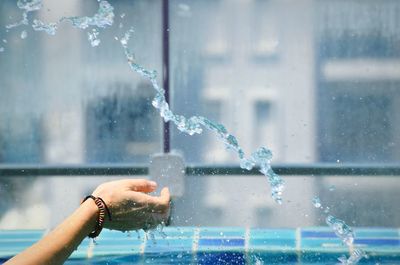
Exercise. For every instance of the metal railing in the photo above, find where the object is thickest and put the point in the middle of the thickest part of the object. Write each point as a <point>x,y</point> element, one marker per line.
<point>194,170</point>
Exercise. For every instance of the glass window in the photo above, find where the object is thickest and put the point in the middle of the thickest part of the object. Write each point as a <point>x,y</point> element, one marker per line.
<point>64,101</point>
<point>315,81</point>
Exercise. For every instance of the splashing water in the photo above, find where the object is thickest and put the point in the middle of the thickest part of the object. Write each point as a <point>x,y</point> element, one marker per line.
<point>194,124</point>
<point>124,40</point>
<point>27,6</point>
<point>316,202</point>
<point>24,34</point>
<point>102,19</point>
<point>30,5</point>
<point>354,258</point>
<point>344,232</point>
<point>50,28</point>
<point>341,229</point>
<point>94,38</point>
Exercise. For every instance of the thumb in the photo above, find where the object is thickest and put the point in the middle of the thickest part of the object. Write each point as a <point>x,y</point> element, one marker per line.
<point>165,195</point>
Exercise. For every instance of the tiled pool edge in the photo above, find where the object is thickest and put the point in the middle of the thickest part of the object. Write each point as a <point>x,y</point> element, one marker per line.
<point>302,244</point>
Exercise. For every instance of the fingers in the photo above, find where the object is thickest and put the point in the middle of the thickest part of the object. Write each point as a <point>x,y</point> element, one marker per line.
<point>161,203</point>
<point>141,185</point>
<point>155,203</point>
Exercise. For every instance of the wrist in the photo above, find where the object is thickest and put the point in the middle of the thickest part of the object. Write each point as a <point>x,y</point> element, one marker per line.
<point>91,211</point>
<point>101,217</point>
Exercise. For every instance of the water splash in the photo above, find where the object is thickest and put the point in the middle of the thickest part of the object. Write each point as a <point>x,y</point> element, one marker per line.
<point>346,234</point>
<point>102,19</point>
<point>27,6</point>
<point>50,28</point>
<point>24,34</point>
<point>354,258</point>
<point>125,39</point>
<point>316,202</point>
<point>93,38</point>
<point>341,229</point>
<point>195,124</point>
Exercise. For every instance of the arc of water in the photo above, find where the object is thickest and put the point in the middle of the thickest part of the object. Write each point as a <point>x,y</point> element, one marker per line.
<point>195,125</point>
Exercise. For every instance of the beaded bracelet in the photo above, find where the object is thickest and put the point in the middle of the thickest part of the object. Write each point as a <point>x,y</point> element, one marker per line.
<point>102,212</point>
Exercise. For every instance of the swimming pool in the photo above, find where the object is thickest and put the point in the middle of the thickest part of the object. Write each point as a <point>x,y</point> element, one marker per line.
<point>212,245</point>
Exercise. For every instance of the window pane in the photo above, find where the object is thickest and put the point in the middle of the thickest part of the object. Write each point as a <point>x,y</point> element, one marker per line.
<point>328,74</point>
<point>64,101</point>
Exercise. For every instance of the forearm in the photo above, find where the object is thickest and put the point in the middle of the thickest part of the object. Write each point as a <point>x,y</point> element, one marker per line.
<point>56,247</point>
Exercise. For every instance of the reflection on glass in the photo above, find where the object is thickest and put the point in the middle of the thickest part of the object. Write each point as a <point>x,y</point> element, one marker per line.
<point>64,101</point>
<point>330,72</point>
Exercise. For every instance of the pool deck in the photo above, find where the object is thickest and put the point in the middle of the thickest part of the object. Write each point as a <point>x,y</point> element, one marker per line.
<point>302,244</point>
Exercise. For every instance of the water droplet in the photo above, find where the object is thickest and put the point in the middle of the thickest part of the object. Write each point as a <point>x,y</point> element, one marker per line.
<point>316,202</point>
<point>94,38</point>
<point>354,258</point>
<point>341,229</point>
<point>24,34</point>
<point>50,28</point>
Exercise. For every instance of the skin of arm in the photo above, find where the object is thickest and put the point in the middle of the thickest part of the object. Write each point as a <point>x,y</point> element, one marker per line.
<point>130,206</point>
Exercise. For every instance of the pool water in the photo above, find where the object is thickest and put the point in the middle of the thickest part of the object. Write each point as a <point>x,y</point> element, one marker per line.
<point>190,245</point>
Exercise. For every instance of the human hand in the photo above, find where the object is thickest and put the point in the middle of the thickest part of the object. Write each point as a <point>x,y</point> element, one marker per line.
<point>131,207</point>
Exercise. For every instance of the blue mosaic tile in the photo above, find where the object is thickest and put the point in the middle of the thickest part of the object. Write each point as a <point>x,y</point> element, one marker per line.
<point>376,233</point>
<point>323,244</point>
<point>222,245</point>
<point>179,232</point>
<point>223,242</point>
<point>169,245</point>
<point>116,248</point>
<point>273,233</point>
<point>117,243</point>
<point>21,234</point>
<point>275,258</point>
<point>16,244</point>
<point>82,250</point>
<point>317,234</point>
<point>108,260</point>
<point>320,257</point>
<point>178,258</point>
<point>113,234</point>
<point>271,239</point>
<point>268,244</point>
<point>222,232</point>
<point>375,258</point>
<point>234,258</point>
<point>377,242</point>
